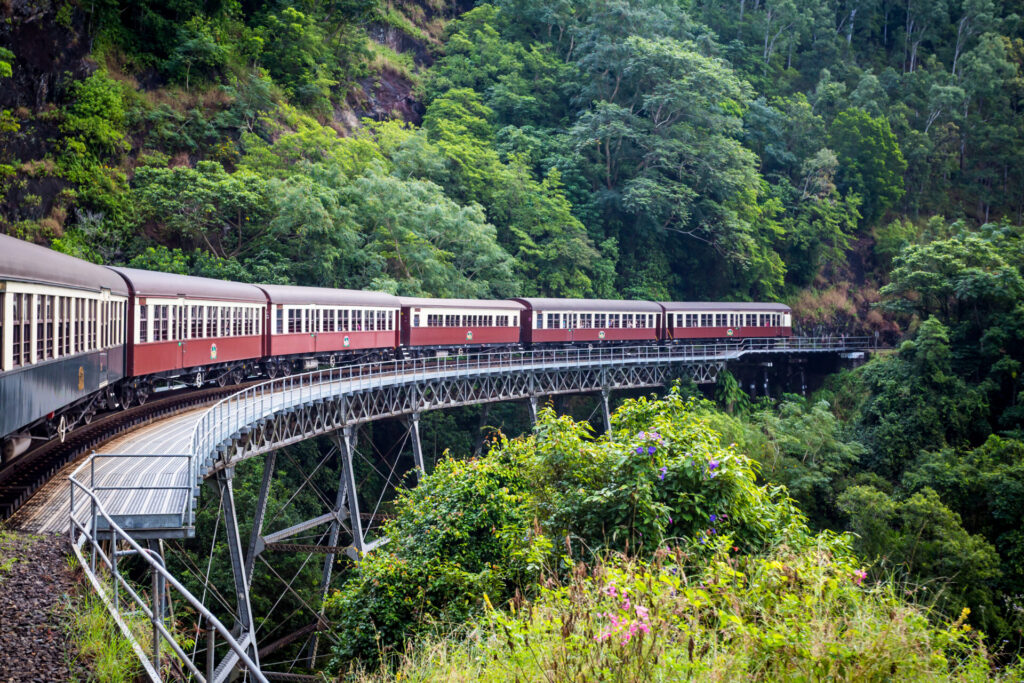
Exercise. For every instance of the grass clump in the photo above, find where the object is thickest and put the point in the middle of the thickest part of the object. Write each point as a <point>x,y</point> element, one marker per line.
<point>99,639</point>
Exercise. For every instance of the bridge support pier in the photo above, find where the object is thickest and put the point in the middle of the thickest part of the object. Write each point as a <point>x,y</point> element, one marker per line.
<point>417,447</point>
<point>245,625</point>
<point>606,411</point>
<point>255,546</point>
<point>344,439</point>
<point>533,411</point>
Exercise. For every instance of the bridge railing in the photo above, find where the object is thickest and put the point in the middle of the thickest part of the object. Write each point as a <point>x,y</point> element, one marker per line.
<point>229,417</point>
<point>86,540</point>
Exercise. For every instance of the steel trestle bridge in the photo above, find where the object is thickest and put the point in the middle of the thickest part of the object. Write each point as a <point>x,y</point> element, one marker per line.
<point>145,486</point>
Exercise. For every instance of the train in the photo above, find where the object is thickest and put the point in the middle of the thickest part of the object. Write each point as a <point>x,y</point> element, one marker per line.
<point>77,338</point>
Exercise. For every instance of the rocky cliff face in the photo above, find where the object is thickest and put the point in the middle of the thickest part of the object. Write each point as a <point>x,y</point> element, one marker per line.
<point>50,46</point>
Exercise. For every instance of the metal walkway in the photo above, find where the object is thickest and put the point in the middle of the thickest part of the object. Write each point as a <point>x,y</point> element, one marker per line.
<point>144,485</point>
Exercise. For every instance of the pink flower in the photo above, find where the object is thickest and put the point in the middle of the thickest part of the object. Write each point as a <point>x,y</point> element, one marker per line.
<point>641,611</point>
<point>859,576</point>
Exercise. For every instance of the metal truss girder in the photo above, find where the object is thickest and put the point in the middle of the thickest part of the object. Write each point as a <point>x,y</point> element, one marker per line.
<point>317,418</point>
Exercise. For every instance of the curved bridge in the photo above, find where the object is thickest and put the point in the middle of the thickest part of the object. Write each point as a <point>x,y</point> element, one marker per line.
<point>145,485</point>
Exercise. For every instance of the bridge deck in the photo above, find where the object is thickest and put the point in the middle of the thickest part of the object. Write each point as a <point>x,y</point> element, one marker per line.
<point>150,482</point>
<point>48,510</point>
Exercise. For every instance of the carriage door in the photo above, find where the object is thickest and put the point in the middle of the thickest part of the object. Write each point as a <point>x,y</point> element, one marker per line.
<point>571,322</point>
<point>178,328</point>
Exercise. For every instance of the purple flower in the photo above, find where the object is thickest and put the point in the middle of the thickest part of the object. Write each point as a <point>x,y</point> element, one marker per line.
<point>670,519</point>
<point>712,464</point>
<point>639,450</point>
<point>714,474</point>
<point>650,450</point>
<point>664,470</point>
<point>714,517</point>
<point>712,532</point>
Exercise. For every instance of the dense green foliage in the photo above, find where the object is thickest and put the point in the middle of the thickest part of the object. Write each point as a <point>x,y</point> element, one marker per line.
<point>492,525</point>
<point>726,579</point>
<point>591,149</point>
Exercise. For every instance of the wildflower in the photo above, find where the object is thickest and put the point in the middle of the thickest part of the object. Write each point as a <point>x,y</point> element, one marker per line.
<point>713,517</point>
<point>610,591</point>
<point>664,470</point>
<point>712,531</point>
<point>650,450</point>
<point>859,576</point>
<point>712,464</point>
<point>714,474</point>
<point>670,519</point>
<point>639,450</point>
<point>641,611</point>
<point>735,549</point>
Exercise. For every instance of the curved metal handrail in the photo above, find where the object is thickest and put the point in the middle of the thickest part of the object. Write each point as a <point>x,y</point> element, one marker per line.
<point>230,415</point>
<point>87,532</point>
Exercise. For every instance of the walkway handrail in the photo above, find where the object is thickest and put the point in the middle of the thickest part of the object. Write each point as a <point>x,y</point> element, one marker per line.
<point>87,532</point>
<point>231,415</point>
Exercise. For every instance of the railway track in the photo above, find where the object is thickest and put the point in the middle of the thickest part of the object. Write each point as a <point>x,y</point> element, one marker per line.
<point>26,474</point>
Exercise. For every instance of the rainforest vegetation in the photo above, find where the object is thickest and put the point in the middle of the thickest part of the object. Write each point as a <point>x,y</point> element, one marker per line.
<point>857,159</point>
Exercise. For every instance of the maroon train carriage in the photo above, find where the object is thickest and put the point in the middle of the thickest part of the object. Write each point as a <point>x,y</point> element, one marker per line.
<point>557,322</point>
<point>310,326</point>
<point>195,329</point>
<point>726,320</point>
<point>430,326</point>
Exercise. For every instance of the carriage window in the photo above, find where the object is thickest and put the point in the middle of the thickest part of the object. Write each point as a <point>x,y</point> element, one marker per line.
<point>143,323</point>
<point>236,328</point>
<point>161,322</point>
<point>751,320</point>
<point>196,327</point>
<point>720,320</point>
<point>17,323</point>
<point>63,319</point>
<point>294,323</point>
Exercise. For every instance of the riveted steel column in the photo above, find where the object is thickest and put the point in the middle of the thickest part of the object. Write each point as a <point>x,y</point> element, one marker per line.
<point>345,440</point>
<point>247,631</point>
<point>606,411</point>
<point>332,541</point>
<point>417,447</point>
<point>255,538</point>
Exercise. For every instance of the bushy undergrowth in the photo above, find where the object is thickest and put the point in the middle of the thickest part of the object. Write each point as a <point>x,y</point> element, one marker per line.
<point>649,553</point>
<point>494,525</point>
<point>797,613</point>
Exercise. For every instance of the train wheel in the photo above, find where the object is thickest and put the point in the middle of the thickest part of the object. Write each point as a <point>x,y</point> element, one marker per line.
<point>237,376</point>
<point>198,381</point>
<point>222,379</point>
<point>63,427</point>
<point>87,415</point>
<point>142,394</point>
<point>127,396</point>
<point>270,369</point>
